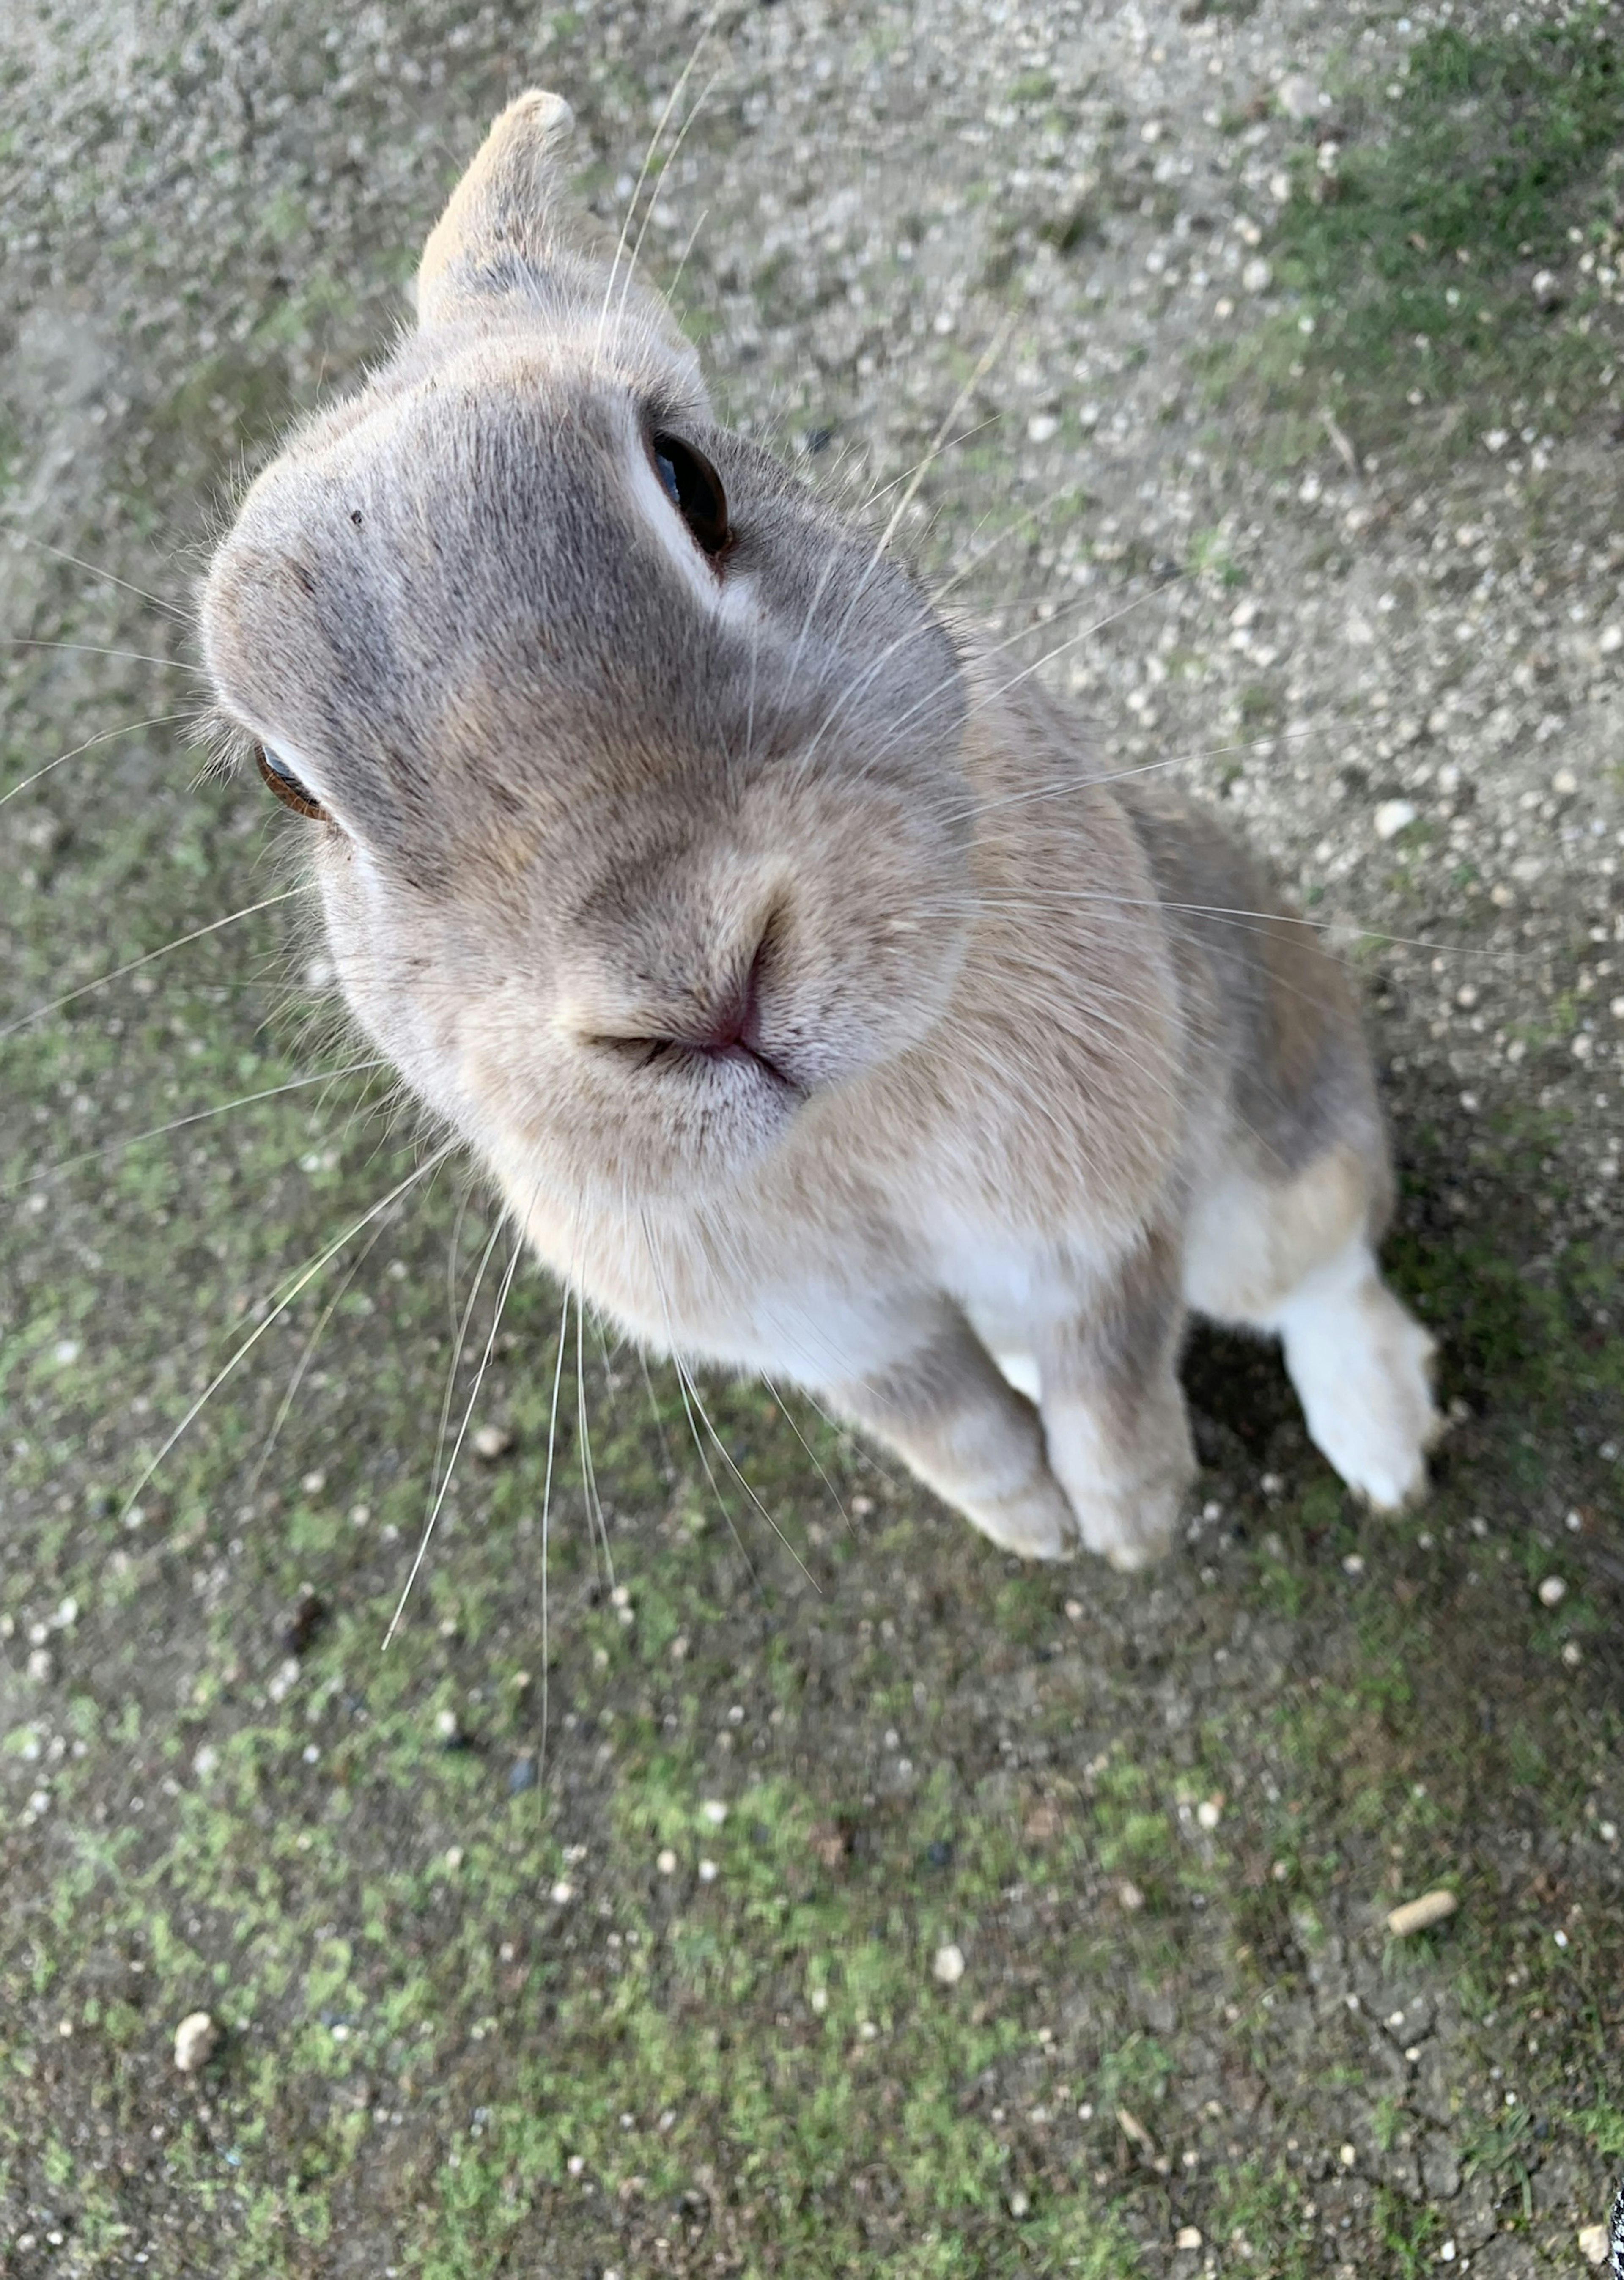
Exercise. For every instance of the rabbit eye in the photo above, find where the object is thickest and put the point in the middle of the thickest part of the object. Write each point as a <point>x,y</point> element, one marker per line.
<point>696,491</point>
<point>288,788</point>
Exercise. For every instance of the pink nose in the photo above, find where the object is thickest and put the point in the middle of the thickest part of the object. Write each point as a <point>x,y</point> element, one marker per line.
<point>736,1026</point>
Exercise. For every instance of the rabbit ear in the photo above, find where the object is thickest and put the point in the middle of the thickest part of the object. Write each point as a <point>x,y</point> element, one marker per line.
<point>511,218</point>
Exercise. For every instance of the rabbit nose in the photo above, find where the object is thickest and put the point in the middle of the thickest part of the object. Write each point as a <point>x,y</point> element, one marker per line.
<point>734,1024</point>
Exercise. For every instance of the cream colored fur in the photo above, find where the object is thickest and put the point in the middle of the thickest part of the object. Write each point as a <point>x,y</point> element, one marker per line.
<point>710,898</point>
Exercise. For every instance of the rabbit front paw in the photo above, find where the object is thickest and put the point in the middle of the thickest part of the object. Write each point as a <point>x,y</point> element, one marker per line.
<point>1131,1526</point>
<point>1036,1521</point>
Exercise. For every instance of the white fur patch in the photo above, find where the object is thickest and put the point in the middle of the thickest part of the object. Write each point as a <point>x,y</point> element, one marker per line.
<point>1360,1364</point>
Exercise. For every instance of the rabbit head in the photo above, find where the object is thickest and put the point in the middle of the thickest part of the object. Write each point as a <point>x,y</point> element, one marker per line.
<point>641,815</point>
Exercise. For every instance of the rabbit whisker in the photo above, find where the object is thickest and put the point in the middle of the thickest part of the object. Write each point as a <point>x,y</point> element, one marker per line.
<point>694,1408</point>
<point>1062,897</point>
<point>459,1333</point>
<point>462,1432</point>
<point>102,981</point>
<point>552,1437</point>
<point>783,1400</point>
<point>128,728</point>
<point>301,1281</point>
<point>589,1470</point>
<point>672,101</point>
<point>180,1123</point>
<point>307,1357</point>
<point>666,164</point>
<point>92,649</point>
<point>173,608</point>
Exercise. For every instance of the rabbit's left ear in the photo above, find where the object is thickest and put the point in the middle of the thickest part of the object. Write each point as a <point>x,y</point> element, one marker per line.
<point>513,219</point>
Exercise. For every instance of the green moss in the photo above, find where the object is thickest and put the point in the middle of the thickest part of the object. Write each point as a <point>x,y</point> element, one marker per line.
<point>1411,259</point>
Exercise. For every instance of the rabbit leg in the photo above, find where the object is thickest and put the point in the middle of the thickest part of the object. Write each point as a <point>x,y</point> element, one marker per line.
<point>1296,1260</point>
<point>969,1435</point>
<point>1113,1412</point>
<point>1361,1364</point>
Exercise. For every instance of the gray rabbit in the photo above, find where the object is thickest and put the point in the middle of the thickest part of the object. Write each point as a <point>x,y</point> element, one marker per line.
<point>819,1007</point>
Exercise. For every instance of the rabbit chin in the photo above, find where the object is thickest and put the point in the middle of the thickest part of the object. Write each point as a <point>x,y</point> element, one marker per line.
<point>681,1137</point>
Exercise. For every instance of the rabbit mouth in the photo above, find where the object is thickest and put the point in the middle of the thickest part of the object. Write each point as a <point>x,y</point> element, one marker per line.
<point>702,1055</point>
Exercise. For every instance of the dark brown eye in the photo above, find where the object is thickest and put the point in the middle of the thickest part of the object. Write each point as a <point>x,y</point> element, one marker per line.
<point>696,491</point>
<point>288,788</point>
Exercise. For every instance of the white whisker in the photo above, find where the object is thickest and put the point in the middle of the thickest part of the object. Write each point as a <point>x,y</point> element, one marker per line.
<point>306,1358</point>
<point>173,608</point>
<point>552,1434</point>
<point>102,981</point>
<point>306,1277</point>
<point>462,1432</point>
<point>107,737</point>
<point>180,1123</point>
<point>92,649</point>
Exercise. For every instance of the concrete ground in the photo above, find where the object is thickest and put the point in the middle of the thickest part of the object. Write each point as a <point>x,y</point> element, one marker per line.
<point>1286,352</point>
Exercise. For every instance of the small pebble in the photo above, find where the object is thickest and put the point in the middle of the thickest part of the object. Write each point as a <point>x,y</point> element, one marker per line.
<point>563,1892</point>
<point>1188,2236</point>
<point>1593,2243</point>
<point>197,2038</point>
<point>708,1872</point>
<point>491,1441</point>
<point>1210,1812</point>
<point>1043,427</point>
<point>1019,2203</point>
<point>1129,1896</point>
<point>1421,1914</point>
<point>1573,1654</point>
<point>714,1811</point>
<point>666,1862</point>
<point>1391,817</point>
<point>1353,1564</point>
<point>948,1964</point>
<point>1348,2155</point>
<point>1553,1592</point>
<point>1446,2254</point>
<point>446,1728</point>
<point>1257,276</point>
<point>41,1666</point>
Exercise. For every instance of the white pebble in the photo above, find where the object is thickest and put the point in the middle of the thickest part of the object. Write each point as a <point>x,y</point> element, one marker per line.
<point>1043,427</point>
<point>708,1872</point>
<point>1188,2236</point>
<point>1593,2243</point>
<point>667,1862</point>
<point>1353,1563</point>
<point>1391,817</point>
<point>1257,276</point>
<point>1210,1812</point>
<point>563,1892</point>
<point>714,1811</point>
<point>197,2038</point>
<point>491,1441</point>
<point>948,1964</point>
<point>1553,1592</point>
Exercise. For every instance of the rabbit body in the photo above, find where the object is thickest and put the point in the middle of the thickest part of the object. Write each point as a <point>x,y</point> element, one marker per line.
<point>819,1008</point>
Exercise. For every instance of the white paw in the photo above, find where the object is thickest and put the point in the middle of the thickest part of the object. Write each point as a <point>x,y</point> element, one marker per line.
<point>1037,1524</point>
<point>1365,1378</point>
<point>1133,1526</point>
